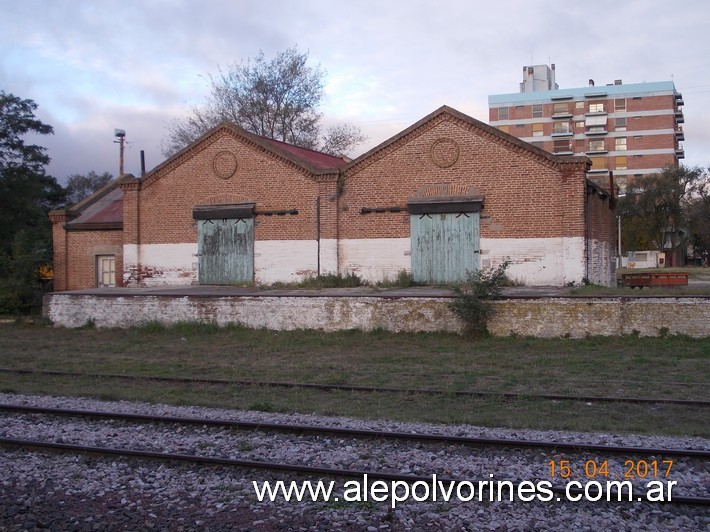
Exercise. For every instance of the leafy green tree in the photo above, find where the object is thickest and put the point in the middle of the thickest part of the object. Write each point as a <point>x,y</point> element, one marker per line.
<point>656,209</point>
<point>27,193</point>
<point>278,98</point>
<point>699,223</point>
<point>82,186</point>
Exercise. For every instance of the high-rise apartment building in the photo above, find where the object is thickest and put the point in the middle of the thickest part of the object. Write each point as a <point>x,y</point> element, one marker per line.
<point>631,130</point>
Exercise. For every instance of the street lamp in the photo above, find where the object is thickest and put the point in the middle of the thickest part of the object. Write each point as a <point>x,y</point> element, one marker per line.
<point>120,134</point>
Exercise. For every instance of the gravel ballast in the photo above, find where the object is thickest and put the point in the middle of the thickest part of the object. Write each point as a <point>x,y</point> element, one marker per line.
<point>71,492</point>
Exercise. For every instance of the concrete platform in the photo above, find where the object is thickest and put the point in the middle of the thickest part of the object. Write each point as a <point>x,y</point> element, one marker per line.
<point>361,291</point>
<point>525,311</point>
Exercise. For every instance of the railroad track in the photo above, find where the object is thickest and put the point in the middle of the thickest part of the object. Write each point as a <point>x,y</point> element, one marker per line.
<point>331,432</point>
<point>298,468</point>
<point>361,433</point>
<point>363,389</point>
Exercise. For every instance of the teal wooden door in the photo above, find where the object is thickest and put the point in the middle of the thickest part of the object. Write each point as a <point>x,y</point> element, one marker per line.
<point>444,246</point>
<point>225,249</point>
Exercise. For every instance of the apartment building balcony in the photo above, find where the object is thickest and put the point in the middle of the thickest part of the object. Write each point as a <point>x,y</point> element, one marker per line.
<point>595,123</point>
<point>679,99</point>
<point>679,117</point>
<point>679,135</point>
<point>561,115</point>
<point>680,152</point>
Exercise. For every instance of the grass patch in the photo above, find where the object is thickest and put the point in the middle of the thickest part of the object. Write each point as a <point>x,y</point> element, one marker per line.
<point>330,280</point>
<point>667,367</point>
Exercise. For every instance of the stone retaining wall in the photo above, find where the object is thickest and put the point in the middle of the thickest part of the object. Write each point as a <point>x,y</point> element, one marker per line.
<point>540,317</point>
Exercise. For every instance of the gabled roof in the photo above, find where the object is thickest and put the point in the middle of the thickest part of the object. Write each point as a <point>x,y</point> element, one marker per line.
<point>102,210</point>
<point>310,161</point>
<point>494,132</point>
<point>317,159</point>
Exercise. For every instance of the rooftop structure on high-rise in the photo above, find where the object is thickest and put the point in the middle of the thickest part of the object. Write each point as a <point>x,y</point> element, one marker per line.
<point>631,130</point>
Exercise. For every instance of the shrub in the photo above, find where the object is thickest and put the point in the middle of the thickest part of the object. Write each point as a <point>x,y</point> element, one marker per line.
<point>403,279</point>
<point>331,280</point>
<point>472,304</point>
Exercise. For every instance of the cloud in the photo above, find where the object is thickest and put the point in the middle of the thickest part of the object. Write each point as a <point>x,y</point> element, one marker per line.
<point>95,65</point>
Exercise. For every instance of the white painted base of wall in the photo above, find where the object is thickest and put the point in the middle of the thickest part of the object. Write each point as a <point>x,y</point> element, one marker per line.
<point>284,261</point>
<point>537,261</point>
<point>534,261</point>
<point>375,259</point>
<point>328,256</point>
<point>274,261</point>
<point>159,264</point>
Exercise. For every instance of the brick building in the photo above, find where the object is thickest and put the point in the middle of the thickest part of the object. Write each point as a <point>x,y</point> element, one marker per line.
<point>448,195</point>
<point>631,130</point>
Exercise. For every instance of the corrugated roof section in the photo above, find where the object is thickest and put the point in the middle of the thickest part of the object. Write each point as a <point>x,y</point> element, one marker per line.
<point>319,160</point>
<point>106,210</point>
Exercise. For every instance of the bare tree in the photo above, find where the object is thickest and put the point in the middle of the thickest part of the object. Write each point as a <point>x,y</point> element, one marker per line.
<point>277,98</point>
<point>82,186</point>
<point>339,139</point>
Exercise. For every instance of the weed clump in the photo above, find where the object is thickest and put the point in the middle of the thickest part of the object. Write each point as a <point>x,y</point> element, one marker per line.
<point>473,299</point>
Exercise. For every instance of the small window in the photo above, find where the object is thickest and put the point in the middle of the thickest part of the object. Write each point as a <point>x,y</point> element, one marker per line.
<point>537,110</point>
<point>504,129</point>
<point>561,127</point>
<point>563,145</point>
<point>620,124</point>
<point>579,124</point>
<point>620,143</point>
<point>596,107</point>
<point>579,105</point>
<point>620,104</point>
<point>537,130</point>
<point>560,108</point>
<point>503,113</point>
<point>621,163</point>
<point>596,145</point>
<point>105,270</point>
<point>598,163</point>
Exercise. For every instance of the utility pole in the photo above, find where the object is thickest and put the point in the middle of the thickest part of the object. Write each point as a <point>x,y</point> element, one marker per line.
<point>120,134</point>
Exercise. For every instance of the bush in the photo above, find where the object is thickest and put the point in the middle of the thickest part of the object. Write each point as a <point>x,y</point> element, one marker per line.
<point>21,286</point>
<point>473,299</point>
<point>403,279</point>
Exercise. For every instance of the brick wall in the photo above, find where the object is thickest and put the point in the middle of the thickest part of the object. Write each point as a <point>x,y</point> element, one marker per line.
<point>226,168</point>
<point>525,195</point>
<point>75,254</point>
<point>170,193</point>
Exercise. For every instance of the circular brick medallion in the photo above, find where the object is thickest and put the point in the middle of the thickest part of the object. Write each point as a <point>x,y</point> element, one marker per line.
<point>444,152</point>
<point>225,164</point>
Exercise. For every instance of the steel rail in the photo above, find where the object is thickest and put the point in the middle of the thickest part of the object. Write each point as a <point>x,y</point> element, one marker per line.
<point>367,389</point>
<point>295,468</point>
<point>360,433</point>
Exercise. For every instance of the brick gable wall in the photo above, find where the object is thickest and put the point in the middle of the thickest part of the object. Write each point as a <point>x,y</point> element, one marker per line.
<point>524,197</point>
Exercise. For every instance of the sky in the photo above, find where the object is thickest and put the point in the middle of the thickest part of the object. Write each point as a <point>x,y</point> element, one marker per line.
<point>93,66</point>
